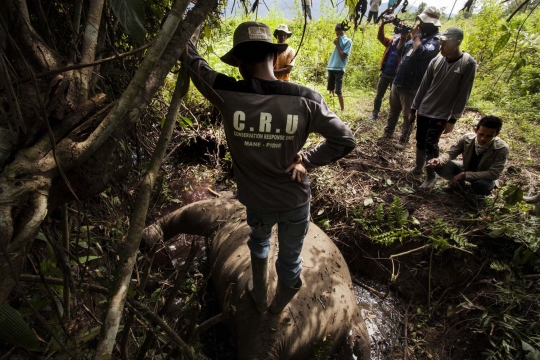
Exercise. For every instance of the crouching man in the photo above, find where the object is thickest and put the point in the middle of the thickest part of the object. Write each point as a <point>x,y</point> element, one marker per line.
<point>484,157</point>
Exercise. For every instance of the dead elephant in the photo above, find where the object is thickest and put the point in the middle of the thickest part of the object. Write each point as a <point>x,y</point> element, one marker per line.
<point>322,317</point>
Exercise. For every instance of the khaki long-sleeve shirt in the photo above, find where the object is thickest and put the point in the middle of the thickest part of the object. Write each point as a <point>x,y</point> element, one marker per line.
<point>492,163</point>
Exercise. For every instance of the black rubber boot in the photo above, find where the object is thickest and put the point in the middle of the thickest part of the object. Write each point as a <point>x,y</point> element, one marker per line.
<point>430,180</point>
<point>418,169</point>
<point>258,284</point>
<point>284,294</point>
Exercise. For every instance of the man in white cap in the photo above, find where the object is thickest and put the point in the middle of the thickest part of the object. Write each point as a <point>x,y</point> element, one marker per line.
<point>441,99</point>
<point>416,54</point>
<point>285,60</point>
<point>267,123</point>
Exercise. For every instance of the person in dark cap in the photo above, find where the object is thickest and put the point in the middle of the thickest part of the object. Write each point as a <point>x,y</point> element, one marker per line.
<point>441,99</point>
<point>285,60</point>
<point>267,123</point>
<point>416,54</point>
<point>338,62</point>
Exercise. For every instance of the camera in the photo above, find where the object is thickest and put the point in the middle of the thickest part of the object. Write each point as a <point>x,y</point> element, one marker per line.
<point>399,28</point>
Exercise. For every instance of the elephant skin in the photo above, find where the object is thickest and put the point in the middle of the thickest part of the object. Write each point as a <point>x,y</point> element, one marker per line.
<point>322,318</point>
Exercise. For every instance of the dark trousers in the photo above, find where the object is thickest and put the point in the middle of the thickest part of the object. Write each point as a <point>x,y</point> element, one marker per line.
<point>400,101</point>
<point>384,82</point>
<point>452,168</point>
<point>428,133</point>
<point>372,15</point>
<point>307,11</point>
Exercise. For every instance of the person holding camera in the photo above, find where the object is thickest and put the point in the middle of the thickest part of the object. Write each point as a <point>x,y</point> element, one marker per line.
<point>416,55</point>
<point>484,157</point>
<point>338,61</point>
<point>441,99</point>
<point>389,63</point>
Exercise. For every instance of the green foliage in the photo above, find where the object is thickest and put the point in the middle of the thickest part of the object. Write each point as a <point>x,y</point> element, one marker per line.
<point>503,40</point>
<point>506,310</point>
<point>393,224</point>
<point>389,225</point>
<point>14,329</point>
<point>512,194</point>
<point>500,314</point>
<point>507,79</point>
<point>515,220</point>
<point>445,236</point>
<point>389,237</point>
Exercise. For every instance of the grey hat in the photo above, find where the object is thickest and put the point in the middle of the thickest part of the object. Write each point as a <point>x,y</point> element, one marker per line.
<point>430,15</point>
<point>453,33</point>
<point>251,31</point>
<point>284,28</point>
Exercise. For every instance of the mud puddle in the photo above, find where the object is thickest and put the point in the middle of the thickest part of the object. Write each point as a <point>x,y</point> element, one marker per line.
<point>383,319</point>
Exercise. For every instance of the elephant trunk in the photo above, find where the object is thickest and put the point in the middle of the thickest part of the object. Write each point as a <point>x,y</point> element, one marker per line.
<point>199,218</point>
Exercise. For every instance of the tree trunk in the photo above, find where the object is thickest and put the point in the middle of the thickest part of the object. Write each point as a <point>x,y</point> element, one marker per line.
<point>90,40</point>
<point>26,181</point>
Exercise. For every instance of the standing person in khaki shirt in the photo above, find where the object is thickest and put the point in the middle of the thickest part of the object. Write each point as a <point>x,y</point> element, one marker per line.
<point>285,60</point>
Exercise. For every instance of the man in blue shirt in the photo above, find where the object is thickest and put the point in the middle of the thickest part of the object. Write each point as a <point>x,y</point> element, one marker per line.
<point>416,54</point>
<point>337,63</point>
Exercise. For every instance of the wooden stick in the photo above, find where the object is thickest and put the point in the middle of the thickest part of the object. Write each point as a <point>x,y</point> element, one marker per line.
<point>81,66</point>
<point>409,252</point>
<point>224,315</point>
<point>212,192</point>
<point>367,287</point>
<point>405,339</point>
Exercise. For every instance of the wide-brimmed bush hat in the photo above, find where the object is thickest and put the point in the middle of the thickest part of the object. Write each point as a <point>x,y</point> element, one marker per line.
<point>254,32</point>
<point>430,16</point>
<point>284,28</point>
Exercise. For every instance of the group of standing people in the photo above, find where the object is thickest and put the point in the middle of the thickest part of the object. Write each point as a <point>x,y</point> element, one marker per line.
<point>430,81</point>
